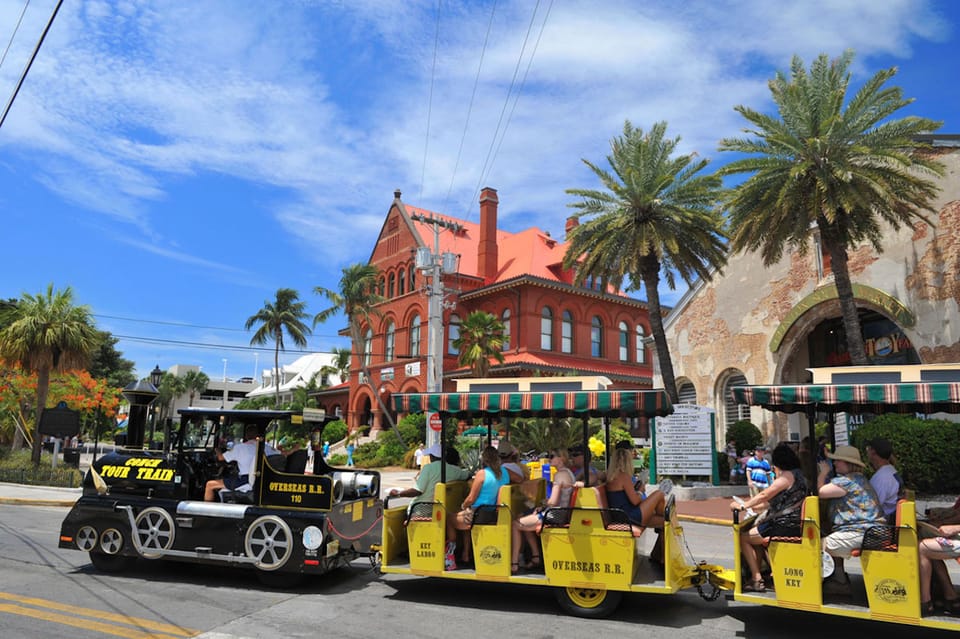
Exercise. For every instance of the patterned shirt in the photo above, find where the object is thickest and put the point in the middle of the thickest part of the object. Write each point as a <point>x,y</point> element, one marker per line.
<point>859,508</point>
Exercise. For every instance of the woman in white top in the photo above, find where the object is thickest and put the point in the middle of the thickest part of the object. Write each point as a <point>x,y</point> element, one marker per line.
<point>529,525</point>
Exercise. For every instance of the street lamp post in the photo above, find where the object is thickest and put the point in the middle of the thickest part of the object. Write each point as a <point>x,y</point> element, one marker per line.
<point>156,376</point>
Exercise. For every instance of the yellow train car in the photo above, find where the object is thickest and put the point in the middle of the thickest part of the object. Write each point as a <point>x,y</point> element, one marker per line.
<point>889,588</point>
<point>591,553</point>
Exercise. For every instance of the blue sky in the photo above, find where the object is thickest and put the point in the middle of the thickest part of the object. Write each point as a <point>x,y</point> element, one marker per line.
<point>177,162</point>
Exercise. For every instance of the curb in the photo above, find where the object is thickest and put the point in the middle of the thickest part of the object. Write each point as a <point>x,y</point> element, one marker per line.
<point>17,501</point>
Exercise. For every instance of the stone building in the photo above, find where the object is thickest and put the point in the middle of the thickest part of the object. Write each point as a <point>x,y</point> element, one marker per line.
<point>759,325</point>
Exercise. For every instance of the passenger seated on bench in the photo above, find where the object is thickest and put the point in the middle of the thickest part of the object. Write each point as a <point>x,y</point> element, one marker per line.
<point>642,510</point>
<point>429,477</point>
<point>484,491</point>
<point>783,501</point>
<point>932,553</point>
<point>854,507</point>
<point>245,455</point>
<point>510,460</point>
<point>527,526</point>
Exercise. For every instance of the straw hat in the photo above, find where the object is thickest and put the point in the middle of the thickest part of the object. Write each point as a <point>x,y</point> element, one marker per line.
<point>849,454</point>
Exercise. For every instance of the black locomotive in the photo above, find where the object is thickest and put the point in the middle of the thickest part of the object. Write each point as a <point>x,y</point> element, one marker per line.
<point>289,523</point>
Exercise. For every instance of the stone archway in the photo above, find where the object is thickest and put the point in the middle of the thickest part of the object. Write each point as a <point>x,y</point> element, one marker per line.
<point>811,335</point>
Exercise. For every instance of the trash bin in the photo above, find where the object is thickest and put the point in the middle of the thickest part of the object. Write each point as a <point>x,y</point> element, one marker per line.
<point>71,457</point>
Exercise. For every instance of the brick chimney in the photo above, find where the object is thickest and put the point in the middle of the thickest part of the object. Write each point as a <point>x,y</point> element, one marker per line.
<point>572,223</point>
<point>487,250</point>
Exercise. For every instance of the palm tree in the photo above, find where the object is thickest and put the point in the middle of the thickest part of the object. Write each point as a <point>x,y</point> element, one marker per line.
<point>654,214</point>
<point>358,300</point>
<point>481,337</point>
<point>171,387</point>
<point>340,366</point>
<point>285,314</point>
<point>47,333</point>
<point>195,382</point>
<point>841,170</point>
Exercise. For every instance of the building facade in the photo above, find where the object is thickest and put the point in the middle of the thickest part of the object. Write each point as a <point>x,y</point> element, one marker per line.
<point>552,326</point>
<point>766,325</point>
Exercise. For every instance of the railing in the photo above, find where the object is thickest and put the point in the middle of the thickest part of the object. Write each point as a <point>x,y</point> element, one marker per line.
<point>60,477</point>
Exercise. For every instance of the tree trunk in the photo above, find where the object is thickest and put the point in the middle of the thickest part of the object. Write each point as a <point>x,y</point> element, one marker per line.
<point>43,387</point>
<point>650,272</point>
<point>848,304</point>
<point>276,375</point>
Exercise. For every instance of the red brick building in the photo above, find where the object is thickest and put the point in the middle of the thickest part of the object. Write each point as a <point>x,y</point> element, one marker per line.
<point>553,327</point>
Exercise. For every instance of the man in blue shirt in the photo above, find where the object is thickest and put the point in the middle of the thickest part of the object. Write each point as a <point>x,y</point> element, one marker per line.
<point>757,472</point>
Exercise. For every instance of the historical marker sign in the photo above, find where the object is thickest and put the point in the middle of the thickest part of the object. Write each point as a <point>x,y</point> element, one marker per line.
<point>683,442</point>
<point>60,421</point>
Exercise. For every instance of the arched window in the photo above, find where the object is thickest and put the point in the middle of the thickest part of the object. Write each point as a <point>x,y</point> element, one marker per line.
<point>687,392</point>
<point>413,280</point>
<point>389,347</point>
<point>641,347</point>
<point>624,338</point>
<point>596,337</point>
<point>505,318</point>
<point>415,336</point>
<point>734,411</point>
<point>566,332</point>
<point>546,329</point>
<point>453,335</point>
<point>402,282</point>
<point>391,287</point>
<point>367,346</point>
<point>381,286</point>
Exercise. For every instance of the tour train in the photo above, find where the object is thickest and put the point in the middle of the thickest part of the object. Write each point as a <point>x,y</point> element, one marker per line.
<point>148,505</point>
<point>292,523</point>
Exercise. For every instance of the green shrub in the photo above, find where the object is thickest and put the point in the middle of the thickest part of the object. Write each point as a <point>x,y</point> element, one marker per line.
<point>365,455</point>
<point>16,467</point>
<point>925,450</point>
<point>746,435</point>
<point>337,459</point>
<point>334,431</point>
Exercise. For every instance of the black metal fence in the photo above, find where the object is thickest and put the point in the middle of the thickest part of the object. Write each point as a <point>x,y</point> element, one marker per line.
<point>61,477</point>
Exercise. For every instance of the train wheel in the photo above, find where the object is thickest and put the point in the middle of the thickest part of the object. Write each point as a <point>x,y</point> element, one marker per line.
<point>87,538</point>
<point>154,531</point>
<point>111,541</point>
<point>588,602</point>
<point>269,541</point>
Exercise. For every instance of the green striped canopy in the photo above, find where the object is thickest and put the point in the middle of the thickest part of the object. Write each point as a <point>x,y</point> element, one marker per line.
<point>906,397</point>
<point>633,403</point>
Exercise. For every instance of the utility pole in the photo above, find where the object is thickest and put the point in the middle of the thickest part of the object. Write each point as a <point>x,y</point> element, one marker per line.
<point>435,264</point>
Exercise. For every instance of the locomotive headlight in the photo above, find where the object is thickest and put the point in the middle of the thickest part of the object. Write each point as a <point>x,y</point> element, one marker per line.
<point>312,537</point>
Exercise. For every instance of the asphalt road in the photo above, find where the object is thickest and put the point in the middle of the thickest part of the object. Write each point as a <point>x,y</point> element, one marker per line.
<point>47,592</point>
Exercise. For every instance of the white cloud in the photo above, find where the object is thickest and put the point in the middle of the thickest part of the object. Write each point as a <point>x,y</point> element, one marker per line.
<point>328,103</point>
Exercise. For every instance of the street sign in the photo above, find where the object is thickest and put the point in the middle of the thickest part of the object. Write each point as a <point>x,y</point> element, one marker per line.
<point>435,421</point>
<point>314,414</point>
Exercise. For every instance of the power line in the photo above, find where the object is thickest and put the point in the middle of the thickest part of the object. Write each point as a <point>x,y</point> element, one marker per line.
<point>506,101</point>
<point>14,34</point>
<point>188,325</point>
<point>433,74</point>
<point>23,76</point>
<point>473,95</point>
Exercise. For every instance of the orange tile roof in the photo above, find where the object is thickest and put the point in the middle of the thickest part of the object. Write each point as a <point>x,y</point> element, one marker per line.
<point>529,252</point>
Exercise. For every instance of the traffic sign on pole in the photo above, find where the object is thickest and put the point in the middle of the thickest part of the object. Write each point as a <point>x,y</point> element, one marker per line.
<point>435,422</point>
